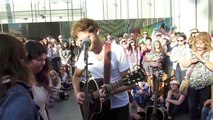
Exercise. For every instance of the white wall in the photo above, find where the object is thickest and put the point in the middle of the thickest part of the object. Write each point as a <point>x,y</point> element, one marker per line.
<point>186,16</point>
<point>211,15</point>
<point>183,12</point>
<point>94,9</point>
<point>203,15</point>
<point>124,9</point>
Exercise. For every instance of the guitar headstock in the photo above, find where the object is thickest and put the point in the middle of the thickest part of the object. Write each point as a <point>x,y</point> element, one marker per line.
<point>138,75</point>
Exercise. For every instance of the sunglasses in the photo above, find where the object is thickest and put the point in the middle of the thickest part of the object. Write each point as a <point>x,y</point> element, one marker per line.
<point>180,40</point>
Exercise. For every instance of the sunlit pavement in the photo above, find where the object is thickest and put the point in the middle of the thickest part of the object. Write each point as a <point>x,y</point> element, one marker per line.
<point>69,110</point>
<point>65,109</point>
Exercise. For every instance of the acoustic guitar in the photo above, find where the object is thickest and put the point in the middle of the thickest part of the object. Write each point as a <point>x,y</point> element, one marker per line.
<point>155,112</point>
<point>96,108</point>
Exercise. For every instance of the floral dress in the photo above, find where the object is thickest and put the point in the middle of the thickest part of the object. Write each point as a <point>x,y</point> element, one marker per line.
<point>201,76</point>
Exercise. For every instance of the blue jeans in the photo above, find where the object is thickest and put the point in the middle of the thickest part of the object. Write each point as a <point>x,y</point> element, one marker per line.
<point>206,113</point>
<point>196,99</point>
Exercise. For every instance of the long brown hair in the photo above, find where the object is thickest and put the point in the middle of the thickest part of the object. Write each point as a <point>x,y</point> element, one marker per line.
<point>12,53</point>
<point>34,50</point>
<point>154,48</point>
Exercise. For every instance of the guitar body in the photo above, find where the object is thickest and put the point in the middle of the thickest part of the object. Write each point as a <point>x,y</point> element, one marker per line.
<point>95,108</point>
<point>161,113</point>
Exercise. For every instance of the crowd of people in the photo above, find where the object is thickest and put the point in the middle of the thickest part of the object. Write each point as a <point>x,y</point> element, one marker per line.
<point>171,52</point>
<point>38,73</point>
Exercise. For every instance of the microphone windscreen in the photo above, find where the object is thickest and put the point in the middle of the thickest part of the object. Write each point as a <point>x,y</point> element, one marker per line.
<point>86,40</point>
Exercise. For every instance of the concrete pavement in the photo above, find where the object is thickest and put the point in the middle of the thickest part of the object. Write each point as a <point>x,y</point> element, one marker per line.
<point>69,110</point>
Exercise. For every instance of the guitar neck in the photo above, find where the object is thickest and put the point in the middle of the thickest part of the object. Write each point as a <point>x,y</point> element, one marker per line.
<point>134,77</point>
<point>114,86</point>
<point>156,92</point>
<point>108,89</point>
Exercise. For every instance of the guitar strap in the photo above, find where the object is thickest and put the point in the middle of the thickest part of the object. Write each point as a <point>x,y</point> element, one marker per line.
<point>107,63</point>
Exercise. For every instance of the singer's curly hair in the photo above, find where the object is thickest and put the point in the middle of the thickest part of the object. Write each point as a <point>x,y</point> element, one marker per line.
<point>85,25</point>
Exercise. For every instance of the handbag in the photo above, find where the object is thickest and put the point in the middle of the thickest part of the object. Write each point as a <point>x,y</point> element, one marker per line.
<point>184,86</point>
<point>185,83</point>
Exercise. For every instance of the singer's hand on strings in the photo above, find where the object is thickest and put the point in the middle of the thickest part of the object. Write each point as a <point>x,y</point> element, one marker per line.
<point>104,94</point>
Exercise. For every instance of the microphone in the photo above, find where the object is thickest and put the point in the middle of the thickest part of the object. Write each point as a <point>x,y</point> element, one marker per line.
<point>86,44</point>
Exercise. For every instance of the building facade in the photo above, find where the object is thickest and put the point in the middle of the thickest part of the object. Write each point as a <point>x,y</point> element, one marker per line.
<point>184,14</point>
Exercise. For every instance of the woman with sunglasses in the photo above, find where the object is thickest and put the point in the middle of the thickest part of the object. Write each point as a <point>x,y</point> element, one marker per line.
<point>177,55</point>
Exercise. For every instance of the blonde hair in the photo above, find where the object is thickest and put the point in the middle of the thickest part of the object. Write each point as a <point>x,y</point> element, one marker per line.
<point>206,40</point>
<point>54,82</point>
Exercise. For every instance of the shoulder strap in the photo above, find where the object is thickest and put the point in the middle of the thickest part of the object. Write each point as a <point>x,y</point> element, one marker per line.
<point>107,63</point>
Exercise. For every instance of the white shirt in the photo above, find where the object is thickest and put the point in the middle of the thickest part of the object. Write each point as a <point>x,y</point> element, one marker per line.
<point>178,55</point>
<point>40,98</point>
<point>119,63</point>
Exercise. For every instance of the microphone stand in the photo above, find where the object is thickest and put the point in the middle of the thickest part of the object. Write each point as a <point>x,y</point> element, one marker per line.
<point>86,103</point>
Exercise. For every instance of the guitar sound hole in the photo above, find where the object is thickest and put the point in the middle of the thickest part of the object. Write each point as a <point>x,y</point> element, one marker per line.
<point>91,95</point>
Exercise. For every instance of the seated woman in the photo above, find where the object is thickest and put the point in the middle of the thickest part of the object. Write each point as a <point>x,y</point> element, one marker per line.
<point>174,99</point>
<point>207,110</point>
<point>55,85</point>
<point>66,84</point>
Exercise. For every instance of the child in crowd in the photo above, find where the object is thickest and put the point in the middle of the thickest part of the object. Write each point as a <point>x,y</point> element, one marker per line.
<point>65,82</point>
